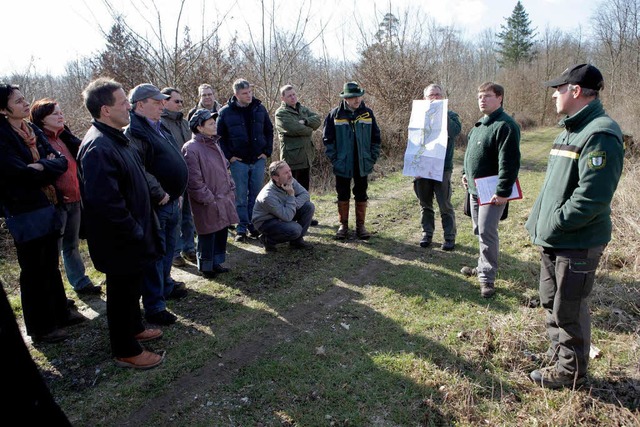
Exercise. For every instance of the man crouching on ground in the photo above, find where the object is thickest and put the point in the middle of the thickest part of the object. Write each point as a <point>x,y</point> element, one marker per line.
<point>283,210</point>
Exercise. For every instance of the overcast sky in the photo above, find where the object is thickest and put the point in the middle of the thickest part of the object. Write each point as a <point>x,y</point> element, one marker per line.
<point>49,33</point>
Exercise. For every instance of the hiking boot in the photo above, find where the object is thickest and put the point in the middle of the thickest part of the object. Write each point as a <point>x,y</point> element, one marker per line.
<point>314,222</point>
<point>448,245</point>
<point>425,242</point>
<point>487,290</point>
<point>178,261</point>
<point>549,377</point>
<point>241,238</point>
<point>145,360</point>
<point>469,271</point>
<point>218,269</point>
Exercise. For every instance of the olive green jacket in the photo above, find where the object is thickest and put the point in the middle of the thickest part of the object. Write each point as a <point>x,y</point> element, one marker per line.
<point>295,138</point>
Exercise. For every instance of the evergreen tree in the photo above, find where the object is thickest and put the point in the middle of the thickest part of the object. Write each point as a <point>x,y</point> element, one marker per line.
<point>516,40</point>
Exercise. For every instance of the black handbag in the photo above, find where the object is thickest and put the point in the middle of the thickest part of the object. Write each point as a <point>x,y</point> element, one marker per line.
<point>32,225</point>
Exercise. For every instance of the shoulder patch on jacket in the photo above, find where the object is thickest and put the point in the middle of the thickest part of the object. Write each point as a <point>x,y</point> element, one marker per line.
<point>597,159</point>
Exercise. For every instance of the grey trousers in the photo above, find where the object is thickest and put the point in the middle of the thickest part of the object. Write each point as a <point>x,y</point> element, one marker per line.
<point>566,280</point>
<point>425,189</point>
<point>485,225</point>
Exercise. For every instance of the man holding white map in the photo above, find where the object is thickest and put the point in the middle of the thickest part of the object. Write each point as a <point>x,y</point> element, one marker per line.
<point>493,149</point>
<point>430,164</point>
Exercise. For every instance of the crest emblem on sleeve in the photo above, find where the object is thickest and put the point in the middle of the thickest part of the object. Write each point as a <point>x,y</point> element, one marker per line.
<point>597,159</point>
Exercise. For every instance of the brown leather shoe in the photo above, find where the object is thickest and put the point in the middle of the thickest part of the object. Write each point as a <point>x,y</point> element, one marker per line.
<point>148,335</point>
<point>145,360</point>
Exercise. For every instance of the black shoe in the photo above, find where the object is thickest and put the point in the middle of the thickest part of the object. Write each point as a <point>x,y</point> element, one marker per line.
<point>56,335</point>
<point>268,247</point>
<point>70,303</point>
<point>91,289</point>
<point>178,292</point>
<point>241,238</point>
<point>426,241</point>
<point>178,284</point>
<point>162,318</point>
<point>254,233</point>
<point>448,245</point>
<point>178,261</point>
<point>220,269</point>
<point>73,318</point>
<point>190,256</point>
<point>314,222</point>
<point>300,244</point>
<point>209,274</point>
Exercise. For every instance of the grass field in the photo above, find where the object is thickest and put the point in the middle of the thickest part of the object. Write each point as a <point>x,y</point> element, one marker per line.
<point>377,333</point>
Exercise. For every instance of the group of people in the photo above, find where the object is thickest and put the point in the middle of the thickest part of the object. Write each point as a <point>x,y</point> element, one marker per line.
<point>146,180</point>
<point>570,220</point>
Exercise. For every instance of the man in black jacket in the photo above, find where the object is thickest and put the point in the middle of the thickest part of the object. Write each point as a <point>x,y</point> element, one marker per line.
<point>246,138</point>
<point>121,230</point>
<point>167,174</point>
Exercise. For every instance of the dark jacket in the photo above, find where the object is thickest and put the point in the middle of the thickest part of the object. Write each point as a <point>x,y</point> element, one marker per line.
<point>175,123</point>
<point>21,186</point>
<point>493,148</point>
<point>122,230</point>
<point>573,210</point>
<point>453,129</point>
<point>245,132</point>
<point>161,158</point>
<point>343,131</point>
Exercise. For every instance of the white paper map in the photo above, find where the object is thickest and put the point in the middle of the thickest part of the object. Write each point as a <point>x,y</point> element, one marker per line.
<point>427,142</point>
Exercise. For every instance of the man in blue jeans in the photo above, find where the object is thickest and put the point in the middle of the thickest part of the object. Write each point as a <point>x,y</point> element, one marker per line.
<point>167,175</point>
<point>283,210</point>
<point>246,138</point>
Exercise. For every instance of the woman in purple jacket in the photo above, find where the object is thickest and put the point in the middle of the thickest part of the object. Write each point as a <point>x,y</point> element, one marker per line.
<point>211,192</point>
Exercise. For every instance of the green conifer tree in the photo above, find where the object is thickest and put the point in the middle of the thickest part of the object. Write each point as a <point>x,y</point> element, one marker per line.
<point>517,38</point>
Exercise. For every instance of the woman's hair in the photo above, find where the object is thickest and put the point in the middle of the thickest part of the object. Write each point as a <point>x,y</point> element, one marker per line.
<point>41,109</point>
<point>5,93</point>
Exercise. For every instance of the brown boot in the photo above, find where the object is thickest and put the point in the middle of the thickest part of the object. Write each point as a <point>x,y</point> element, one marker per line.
<point>361,213</point>
<point>343,215</point>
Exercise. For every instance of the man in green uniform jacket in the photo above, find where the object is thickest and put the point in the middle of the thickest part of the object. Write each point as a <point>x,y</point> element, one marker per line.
<point>493,149</point>
<point>571,220</point>
<point>295,124</point>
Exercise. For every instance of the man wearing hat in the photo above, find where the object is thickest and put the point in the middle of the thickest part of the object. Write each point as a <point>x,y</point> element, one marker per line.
<point>352,143</point>
<point>571,220</point>
<point>167,174</point>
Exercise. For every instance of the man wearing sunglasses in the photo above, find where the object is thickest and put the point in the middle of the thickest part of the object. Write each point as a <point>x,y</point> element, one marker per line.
<point>173,119</point>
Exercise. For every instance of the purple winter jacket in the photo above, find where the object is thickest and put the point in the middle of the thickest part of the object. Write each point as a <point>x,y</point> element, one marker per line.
<point>210,187</point>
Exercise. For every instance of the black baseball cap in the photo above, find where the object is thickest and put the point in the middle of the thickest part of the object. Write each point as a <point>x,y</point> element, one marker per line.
<point>583,75</point>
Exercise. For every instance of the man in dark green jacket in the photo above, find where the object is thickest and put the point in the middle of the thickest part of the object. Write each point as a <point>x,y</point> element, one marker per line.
<point>352,143</point>
<point>493,149</point>
<point>571,220</point>
<point>295,123</point>
<point>426,188</point>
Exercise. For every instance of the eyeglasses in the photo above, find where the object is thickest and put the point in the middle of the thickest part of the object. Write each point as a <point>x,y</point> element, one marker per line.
<point>178,101</point>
